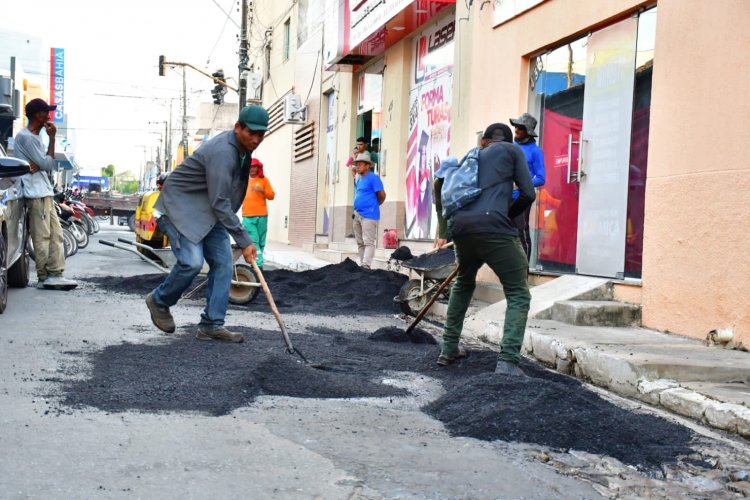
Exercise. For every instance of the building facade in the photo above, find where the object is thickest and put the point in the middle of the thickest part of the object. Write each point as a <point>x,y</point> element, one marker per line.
<point>630,194</point>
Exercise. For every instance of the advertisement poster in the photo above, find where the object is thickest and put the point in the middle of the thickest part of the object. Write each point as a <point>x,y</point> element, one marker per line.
<point>429,126</point>
<point>330,163</point>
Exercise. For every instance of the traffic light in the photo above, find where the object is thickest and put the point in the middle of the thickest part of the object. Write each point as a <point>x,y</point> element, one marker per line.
<point>162,65</point>
<point>220,89</point>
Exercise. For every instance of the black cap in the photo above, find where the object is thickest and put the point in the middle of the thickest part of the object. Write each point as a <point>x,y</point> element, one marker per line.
<point>498,132</point>
<point>34,106</point>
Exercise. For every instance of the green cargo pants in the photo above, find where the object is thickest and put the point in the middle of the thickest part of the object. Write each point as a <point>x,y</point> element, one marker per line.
<point>257,227</point>
<point>506,258</point>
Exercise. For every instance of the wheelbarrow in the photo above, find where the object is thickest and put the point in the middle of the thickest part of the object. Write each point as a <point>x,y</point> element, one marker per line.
<point>431,269</point>
<point>245,284</point>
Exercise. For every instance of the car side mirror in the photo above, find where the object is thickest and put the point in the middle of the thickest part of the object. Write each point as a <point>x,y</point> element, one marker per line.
<point>10,168</point>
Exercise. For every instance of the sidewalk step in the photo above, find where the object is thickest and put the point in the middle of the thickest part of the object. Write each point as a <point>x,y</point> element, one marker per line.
<point>439,310</point>
<point>334,256</point>
<point>596,313</point>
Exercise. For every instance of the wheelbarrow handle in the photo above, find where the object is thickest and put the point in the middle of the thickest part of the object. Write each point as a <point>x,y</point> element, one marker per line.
<point>432,301</point>
<point>133,250</point>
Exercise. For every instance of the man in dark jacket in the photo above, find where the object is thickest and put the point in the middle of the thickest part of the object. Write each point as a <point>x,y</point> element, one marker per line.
<point>483,233</point>
<point>197,210</point>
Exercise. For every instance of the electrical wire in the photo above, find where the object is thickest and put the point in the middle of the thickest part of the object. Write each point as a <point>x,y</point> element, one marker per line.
<point>221,33</point>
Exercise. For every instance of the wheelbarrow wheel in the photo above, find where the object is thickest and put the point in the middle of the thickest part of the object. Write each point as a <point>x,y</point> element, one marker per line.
<point>243,294</point>
<point>411,298</point>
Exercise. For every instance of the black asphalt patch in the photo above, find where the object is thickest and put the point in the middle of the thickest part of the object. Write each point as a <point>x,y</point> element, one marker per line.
<point>187,375</point>
<point>338,289</point>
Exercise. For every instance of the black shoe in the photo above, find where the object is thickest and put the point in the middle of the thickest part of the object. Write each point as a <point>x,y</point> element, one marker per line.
<point>206,332</point>
<point>509,368</point>
<point>446,359</point>
<point>161,316</point>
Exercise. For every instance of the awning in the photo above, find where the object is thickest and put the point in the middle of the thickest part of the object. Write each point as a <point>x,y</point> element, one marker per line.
<point>366,28</point>
<point>65,162</point>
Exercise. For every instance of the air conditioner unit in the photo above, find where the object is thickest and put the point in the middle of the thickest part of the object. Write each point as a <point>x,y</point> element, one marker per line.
<point>294,111</point>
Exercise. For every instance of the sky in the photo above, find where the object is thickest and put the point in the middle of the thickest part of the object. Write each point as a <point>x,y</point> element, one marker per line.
<point>113,91</point>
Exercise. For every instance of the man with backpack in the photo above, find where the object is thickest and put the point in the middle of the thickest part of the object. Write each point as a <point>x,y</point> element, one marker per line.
<point>483,233</point>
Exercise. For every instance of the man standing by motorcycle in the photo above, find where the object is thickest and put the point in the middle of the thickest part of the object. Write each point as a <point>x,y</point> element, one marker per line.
<point>46,233</point>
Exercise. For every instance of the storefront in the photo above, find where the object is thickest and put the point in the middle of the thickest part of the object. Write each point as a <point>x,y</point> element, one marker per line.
<point>399,55</point>
<point>593,99</point>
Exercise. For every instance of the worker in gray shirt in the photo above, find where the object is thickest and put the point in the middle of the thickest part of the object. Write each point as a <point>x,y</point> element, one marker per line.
<point>44,226</point>
<point>197,210</point>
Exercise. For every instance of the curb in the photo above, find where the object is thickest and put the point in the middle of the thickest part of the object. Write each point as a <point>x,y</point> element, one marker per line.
<point>622,377</point>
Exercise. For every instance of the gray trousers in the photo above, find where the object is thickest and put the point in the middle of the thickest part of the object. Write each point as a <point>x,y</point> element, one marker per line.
<point>365,231</point>
<point>46,235</point>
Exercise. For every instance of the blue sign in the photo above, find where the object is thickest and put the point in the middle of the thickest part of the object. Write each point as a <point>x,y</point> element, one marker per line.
<point>57,83</point>
<point>86,180</point>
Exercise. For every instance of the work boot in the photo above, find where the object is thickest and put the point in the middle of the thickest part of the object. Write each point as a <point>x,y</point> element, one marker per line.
<point>161,316</point>
<point>508,368</point>
<point>446,359</point>
<point>208,332</point>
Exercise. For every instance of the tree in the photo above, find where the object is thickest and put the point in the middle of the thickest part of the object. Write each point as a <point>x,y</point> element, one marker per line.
<point>109,172</point>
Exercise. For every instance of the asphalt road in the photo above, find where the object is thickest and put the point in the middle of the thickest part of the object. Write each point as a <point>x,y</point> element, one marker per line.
<point>275,447</point>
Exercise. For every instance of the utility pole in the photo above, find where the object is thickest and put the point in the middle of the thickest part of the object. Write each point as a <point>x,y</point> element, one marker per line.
<point>163,63</point>
<point>184,117</point>
<point>243,55</point>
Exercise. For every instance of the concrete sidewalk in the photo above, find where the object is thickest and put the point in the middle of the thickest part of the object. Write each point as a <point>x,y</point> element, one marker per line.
<point>708,384</point>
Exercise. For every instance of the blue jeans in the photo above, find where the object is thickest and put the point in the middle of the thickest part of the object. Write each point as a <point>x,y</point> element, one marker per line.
<point>216,249</point>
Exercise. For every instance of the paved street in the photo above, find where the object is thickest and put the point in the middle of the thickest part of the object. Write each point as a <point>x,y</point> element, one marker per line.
<point>274,446</point>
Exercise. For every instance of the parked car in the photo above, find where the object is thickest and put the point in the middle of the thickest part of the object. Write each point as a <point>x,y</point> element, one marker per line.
<point>14,230</point>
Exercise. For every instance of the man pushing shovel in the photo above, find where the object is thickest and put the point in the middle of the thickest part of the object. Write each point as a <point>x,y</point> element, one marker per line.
<point>197,210</point>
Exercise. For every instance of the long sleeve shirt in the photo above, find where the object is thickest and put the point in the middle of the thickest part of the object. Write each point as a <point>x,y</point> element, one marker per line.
<point>255,202</point>
<point>208,188</point>
<point>30,147</point>
<point>535,161</point>
<point>501,165</point>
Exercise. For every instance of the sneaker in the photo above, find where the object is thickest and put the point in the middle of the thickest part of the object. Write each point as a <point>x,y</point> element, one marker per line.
<point>40,284</point>
<point>446,359</point>
<point>161,316</point>
<point>366,266</point>
<point>206,332</point>
<point>508,368</point>
<point>57,282</point>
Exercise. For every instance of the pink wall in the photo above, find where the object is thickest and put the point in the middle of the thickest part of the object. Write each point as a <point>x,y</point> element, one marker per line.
<point>696,266</point>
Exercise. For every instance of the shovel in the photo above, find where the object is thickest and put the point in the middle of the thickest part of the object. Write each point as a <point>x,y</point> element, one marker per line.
<point>431,301</point>
<point>289,347</point>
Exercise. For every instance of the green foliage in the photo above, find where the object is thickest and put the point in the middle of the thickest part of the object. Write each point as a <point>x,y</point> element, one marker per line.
<point>127,186</point>
<point>108,171</point>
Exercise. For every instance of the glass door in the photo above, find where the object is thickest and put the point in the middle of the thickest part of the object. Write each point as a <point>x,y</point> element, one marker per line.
<point>559,90</point>
<point>602,173</point>
<point>589,213</point>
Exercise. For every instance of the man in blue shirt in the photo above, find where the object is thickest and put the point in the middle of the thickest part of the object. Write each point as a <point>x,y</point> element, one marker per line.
<point>524,138</point>
<point>368,197</point>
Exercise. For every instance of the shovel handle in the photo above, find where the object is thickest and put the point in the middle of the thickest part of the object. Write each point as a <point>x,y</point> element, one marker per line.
<point>274,310</point>
<point>432,300</point>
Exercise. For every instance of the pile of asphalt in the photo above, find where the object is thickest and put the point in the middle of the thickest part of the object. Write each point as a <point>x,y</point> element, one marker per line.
<point>187,375</point>
<point>338,289</point>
